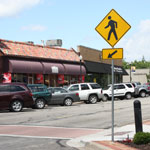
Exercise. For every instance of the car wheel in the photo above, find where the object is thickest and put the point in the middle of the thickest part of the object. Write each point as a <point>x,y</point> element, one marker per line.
<point>93,99</point>
<point>128,96</point>
<point>68,102</point>
<point>40,103</point>
<point>16,106</point>
<point>143,94</point>
<point>105,98</point>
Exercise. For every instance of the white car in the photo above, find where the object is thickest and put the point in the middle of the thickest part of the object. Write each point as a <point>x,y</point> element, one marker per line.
<point>88,92</point>
<point>121,90</point>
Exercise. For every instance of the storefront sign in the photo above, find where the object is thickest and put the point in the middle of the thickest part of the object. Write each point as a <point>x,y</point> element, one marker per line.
<point>39,78</point>
<point>133,68</point>
<point>60,79</point>
<point>54,69</point>
<point>7,77</point>
<point>117,69</point>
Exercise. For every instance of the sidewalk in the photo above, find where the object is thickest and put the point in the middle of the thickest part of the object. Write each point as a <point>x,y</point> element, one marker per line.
<point>102,140</point>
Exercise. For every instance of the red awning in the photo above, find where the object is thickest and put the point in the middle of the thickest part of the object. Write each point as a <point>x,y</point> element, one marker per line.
<point>24,66</point>
<point>53,68</point>
<point>72,69</point>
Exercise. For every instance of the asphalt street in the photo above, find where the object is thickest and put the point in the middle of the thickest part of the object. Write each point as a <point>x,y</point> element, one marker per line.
<point>52,127</point>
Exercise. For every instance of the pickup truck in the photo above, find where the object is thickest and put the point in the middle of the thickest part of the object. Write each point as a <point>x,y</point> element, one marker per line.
<point>141,90</point>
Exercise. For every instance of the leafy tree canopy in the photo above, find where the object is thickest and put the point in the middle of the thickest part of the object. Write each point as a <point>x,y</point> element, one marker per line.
<point>138,64</point>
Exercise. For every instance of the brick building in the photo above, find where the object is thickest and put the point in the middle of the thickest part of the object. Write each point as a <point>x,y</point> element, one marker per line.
<point>99,70</point>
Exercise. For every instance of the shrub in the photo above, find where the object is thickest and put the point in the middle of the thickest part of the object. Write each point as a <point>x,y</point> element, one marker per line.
<point>141,138</point>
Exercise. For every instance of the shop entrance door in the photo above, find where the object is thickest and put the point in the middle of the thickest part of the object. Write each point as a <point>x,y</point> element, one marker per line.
<point>53,80</point>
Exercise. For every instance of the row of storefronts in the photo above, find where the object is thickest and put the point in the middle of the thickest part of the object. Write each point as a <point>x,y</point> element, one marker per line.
<point>29,63</point>
<point>41,72</point>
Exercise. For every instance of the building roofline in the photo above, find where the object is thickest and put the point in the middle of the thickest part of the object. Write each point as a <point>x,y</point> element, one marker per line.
<point>30,44</point>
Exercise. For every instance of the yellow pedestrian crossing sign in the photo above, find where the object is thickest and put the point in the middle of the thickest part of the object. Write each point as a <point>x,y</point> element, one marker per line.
<point>115,53</point>
<point>113,27</point>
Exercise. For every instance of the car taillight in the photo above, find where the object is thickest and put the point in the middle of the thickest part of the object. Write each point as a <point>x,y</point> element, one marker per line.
<point>101,91</point>
<point>30,94</point>
<point>77,94</point>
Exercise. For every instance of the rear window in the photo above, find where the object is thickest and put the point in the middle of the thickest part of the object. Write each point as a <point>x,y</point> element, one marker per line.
<point>95,86</point>
<point>16,88</point>
<point>37,88</point>
<point>129,85</point>
<point>107,87</point>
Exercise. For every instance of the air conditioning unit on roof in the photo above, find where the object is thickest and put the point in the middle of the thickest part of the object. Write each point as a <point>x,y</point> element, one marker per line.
<point>57,42</point>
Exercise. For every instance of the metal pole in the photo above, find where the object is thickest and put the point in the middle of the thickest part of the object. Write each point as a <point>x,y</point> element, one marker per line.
<point>130,72</point>
<point>80,72</point>
<point>112,100</point>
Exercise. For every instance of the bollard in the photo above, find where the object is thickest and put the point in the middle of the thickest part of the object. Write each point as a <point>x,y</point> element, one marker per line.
<point>138,116</point>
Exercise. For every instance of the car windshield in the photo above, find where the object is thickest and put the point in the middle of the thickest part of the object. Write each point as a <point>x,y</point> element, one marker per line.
<point>107,87</point>
<point>74,88</point>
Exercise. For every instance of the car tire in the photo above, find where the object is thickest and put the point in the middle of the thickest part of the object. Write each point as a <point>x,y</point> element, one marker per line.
<point>128,96</point>
<point>105,98</point>
<point>40,103</point>
<point>68,102</point>
<point>93,99</point>
<point>142,94</point>
<point>16,106</point>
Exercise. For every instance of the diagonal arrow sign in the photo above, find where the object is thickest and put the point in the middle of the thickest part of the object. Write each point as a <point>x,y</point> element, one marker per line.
<point>110,55</point>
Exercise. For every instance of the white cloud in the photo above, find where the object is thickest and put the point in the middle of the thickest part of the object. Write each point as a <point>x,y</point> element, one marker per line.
<point>138,45</point>
<point>13,7</point>
<point>34,28</point>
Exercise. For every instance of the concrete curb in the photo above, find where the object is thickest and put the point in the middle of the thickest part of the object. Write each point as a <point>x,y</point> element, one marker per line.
<point>95,146</point>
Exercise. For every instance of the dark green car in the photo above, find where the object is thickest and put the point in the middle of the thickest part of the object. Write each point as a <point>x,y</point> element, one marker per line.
<point>41,95</point>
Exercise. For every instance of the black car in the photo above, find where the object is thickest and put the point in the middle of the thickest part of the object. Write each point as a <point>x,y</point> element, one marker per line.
<point>62,96</point>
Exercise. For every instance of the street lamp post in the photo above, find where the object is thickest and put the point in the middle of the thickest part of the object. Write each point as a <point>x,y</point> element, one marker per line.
<point>80,68</point>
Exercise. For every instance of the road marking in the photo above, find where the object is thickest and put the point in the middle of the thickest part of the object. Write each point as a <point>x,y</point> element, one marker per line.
<point>45,132</point>
<point>54,127</point>
<point>40,137</point>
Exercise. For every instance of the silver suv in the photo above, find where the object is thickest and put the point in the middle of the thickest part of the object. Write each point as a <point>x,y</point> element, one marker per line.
<point>121,91</point>
<point>88,92</point>
<point>141,90</point>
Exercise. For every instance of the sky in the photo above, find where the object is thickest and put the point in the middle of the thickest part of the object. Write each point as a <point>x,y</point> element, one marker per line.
<point>74,22</point>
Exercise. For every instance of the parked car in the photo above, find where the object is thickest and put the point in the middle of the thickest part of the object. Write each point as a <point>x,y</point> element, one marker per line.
<point>88,92</point>
<point>41,95</point>
<point>121,91</point>
<point>141,90</point>
<point>62,96</point>
<point>15,96</point>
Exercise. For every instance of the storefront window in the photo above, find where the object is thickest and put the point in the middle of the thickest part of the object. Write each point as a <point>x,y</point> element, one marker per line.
<point>74,79</point>
<point>25,78</point>
<point>67,79</point>
<point>46,80</point>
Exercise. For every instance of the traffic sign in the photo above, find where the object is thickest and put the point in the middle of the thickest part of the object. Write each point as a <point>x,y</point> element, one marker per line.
<point>116,53</point>
<point>113,27</point>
